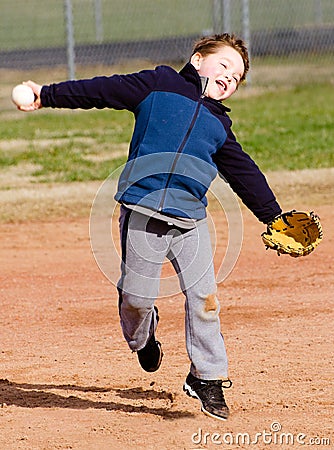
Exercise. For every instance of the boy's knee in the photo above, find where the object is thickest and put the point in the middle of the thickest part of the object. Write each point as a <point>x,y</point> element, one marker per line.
<point>211,304</point>
<point>210,307</point>
<point>134,303</point>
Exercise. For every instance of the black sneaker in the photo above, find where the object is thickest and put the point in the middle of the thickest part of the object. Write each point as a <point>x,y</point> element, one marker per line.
<point>150,356</point>
<point>210,394</point>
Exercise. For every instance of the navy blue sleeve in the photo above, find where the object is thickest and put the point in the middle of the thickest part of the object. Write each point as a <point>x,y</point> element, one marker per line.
<point>116,91</point>
<point>246,179</point>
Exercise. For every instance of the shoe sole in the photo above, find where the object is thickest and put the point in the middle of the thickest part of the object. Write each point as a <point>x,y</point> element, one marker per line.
<point>154,369</point>
<point>191,393</point>
<point>157,366</point>
<point>160,359</point>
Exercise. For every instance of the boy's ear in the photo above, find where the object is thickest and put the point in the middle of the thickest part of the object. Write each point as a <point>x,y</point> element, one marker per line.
<point>196,60</point>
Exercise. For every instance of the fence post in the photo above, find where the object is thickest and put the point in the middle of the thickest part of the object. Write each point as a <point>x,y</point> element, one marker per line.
<point>246,31</point>
<point>221,16</point>
<point>69,39</point>
<point>98,20</point>
<point>226,16</point>
<point>217,16</point>
<point>318,12</point>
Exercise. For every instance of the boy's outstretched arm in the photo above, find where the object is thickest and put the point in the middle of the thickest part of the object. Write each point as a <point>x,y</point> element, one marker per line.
<point>116,91</point>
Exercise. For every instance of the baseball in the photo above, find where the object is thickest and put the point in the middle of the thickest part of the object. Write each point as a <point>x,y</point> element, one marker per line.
<point>23,95</point>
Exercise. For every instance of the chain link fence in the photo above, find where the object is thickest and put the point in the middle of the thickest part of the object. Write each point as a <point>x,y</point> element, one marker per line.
<point>51,33</point>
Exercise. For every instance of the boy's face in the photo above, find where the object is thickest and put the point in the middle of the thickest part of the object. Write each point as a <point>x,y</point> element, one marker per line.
<point>224,70</point>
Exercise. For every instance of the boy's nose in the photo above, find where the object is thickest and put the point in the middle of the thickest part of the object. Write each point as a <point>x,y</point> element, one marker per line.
<point>228,76</point>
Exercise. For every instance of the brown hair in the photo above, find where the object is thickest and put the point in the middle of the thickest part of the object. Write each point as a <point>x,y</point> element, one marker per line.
<point>208,45</point>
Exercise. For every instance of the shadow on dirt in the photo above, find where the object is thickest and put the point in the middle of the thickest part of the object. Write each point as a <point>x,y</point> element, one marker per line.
<point>26,395</point>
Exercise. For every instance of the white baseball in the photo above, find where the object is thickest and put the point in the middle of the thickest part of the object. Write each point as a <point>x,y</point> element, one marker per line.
<point>23,95</point>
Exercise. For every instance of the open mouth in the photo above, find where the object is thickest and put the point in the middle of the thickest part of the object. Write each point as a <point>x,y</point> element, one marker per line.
<point>222,85</point>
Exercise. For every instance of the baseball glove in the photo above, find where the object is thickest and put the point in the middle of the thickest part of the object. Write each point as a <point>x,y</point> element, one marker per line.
<point>294,233</point>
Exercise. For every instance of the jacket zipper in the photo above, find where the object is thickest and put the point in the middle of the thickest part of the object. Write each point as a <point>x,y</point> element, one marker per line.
<point>179,151</point>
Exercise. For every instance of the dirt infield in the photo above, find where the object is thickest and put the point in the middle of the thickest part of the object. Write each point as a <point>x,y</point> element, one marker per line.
<point>68,381</point>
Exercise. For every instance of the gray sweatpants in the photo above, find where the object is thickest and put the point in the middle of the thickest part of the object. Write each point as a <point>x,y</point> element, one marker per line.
<point>146,242</point>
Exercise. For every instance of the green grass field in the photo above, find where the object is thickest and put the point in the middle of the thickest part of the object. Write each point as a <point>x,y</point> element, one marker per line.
<point>281,129</point>
<point>288,129</point>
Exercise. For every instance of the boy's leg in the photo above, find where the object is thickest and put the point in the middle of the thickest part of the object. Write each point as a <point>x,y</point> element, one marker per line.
<point>144,246</point>
<point>191,256</point>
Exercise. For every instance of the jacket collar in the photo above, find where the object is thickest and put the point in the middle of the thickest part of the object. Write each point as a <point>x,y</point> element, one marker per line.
<point>190,74</point>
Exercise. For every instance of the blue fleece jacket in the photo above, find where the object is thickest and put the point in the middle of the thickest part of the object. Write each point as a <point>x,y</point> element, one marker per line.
<point>180,142</point>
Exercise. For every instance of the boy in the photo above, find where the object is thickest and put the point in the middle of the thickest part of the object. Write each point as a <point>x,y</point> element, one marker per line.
<point>182,139</point>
